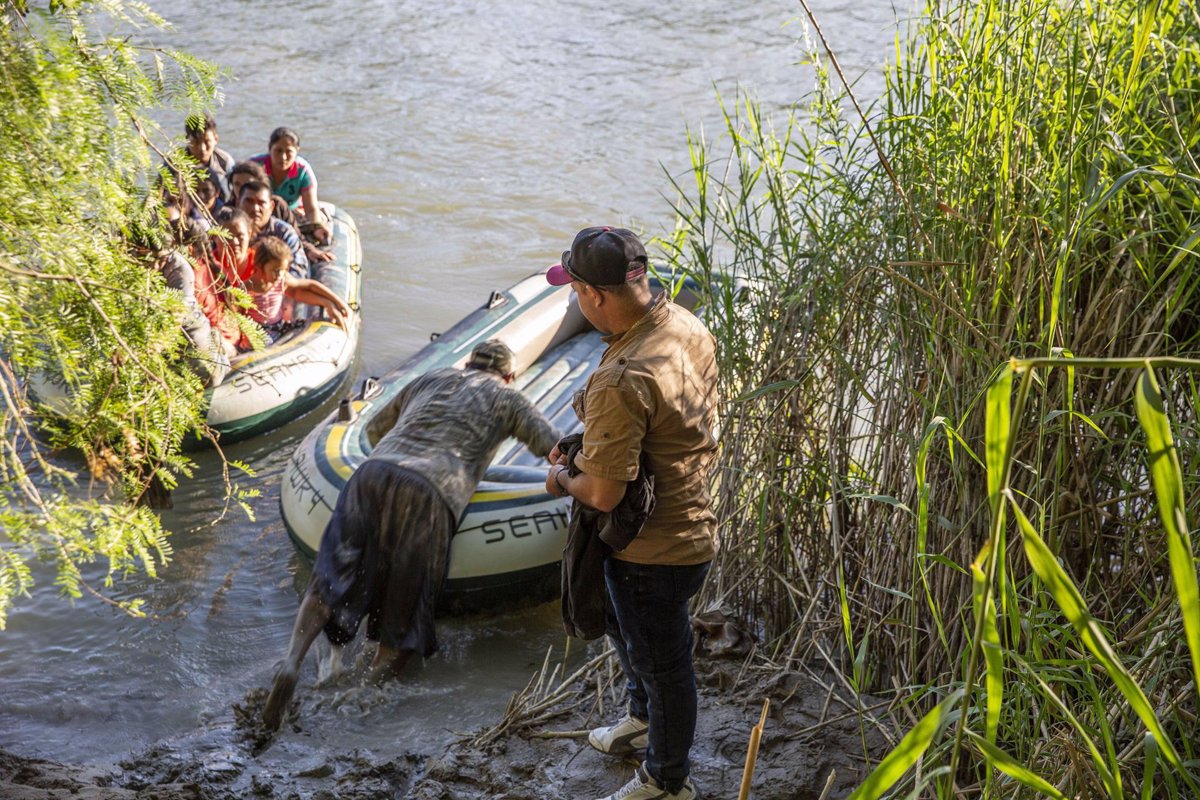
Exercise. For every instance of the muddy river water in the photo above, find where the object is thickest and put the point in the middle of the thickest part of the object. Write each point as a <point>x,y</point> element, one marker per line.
<point>470,141</point>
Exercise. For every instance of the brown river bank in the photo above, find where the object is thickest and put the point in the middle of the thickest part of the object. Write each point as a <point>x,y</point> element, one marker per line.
<point>812,748</point>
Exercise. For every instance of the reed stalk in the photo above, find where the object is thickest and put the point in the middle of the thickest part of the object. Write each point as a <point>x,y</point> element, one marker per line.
<point>1016,560</point>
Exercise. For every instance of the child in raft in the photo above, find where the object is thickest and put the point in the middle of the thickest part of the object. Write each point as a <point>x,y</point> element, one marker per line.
<point>269,281</point>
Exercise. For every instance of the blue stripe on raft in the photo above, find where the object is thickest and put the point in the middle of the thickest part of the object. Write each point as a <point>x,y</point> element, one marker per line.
<point>514,502</point>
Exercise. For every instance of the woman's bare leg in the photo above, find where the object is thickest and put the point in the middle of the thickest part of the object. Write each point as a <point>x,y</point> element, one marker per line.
<point>329,668</point>
<point>387,663</point>
<point>310,620</point>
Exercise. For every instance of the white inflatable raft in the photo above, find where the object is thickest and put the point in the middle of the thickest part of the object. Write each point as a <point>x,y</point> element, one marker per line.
<point>510,539</point>
<point>303,368</point>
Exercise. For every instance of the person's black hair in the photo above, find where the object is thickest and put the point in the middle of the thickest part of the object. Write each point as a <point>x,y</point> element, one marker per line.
<point>283,133</point>
<point>206,189</point>
<point>231,214</point>
<point>254,186</point>
<point>197,125</point>
<point>252,168</point>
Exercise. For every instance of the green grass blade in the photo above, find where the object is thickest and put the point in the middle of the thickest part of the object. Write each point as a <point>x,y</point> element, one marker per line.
<point>1151,767</point>
<point>985,608</point>
<point>844,601</point>
<point>1167,477</point>
<point>905,754</point>
<point>1101,201</point>
<point>777,386</point>
<point>997,430</point>
<point>1111,778</point>
<point>1141,39</point>
<point>1010,767</point>
<point>923,488</point>
<point>1068,598</point>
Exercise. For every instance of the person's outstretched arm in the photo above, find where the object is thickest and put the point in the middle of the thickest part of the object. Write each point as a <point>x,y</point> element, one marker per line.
<point>530,426</point>
<point>312,212</point>
<point>315,293</point>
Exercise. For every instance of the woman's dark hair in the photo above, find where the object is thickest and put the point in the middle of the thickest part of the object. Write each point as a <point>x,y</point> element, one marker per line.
<point>283,133</point>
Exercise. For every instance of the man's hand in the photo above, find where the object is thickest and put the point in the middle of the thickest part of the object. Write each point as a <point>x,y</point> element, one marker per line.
<point>554,484</point>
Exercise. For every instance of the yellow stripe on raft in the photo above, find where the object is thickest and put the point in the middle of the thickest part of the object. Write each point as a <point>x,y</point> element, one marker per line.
<point>335,456</point>
<point>511,494</point>
<point>352,298</point>
<point>333,443</point>
<point>333,450</point>
<point>305,334</point>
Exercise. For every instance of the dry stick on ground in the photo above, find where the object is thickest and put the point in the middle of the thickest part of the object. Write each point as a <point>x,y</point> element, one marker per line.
<point>752,751</point>
<point>830,720</point>
<point>534,703</point>
<point>828,785</point>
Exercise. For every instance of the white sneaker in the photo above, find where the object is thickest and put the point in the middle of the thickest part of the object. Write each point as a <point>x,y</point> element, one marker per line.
<point>643,787</point>
<point>627,736</point>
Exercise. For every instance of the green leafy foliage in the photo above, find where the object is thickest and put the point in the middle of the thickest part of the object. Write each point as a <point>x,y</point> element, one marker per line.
<point>76,308</point>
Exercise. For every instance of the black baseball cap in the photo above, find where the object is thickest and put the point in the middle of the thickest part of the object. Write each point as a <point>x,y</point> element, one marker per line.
<point>601,257</point>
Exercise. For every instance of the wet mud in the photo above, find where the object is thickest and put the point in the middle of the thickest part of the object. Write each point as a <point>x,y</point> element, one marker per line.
<point>812,748</point>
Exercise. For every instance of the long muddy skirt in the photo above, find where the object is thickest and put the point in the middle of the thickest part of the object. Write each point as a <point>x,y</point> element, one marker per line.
<point>384,556</point>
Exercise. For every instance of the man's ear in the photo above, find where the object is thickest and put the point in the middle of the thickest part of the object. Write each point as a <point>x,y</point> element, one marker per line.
<point>596,295</point>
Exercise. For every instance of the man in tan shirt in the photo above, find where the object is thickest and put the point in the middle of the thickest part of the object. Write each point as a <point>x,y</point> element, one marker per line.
<point>654,393</point>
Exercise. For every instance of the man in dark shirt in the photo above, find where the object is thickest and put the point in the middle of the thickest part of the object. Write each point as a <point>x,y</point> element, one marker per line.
<point>385,550</point>
<point>245,171</point>
<point>202,139</point>
<point>255,200</point>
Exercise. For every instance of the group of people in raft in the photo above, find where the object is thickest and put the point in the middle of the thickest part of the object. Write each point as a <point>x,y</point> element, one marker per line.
<point>254,226</point>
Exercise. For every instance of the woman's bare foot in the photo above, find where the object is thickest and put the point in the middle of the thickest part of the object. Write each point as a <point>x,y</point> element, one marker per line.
<point>387,664</point>
<point>281,694</point>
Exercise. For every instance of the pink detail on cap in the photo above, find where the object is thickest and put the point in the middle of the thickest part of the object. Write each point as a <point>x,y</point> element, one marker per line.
<point>558,276</point>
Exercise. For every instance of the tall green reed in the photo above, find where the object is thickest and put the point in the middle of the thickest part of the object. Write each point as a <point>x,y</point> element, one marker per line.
<point>1013,578</point>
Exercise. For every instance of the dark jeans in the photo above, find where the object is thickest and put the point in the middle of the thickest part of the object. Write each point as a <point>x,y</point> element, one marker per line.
<point>650,629</point>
